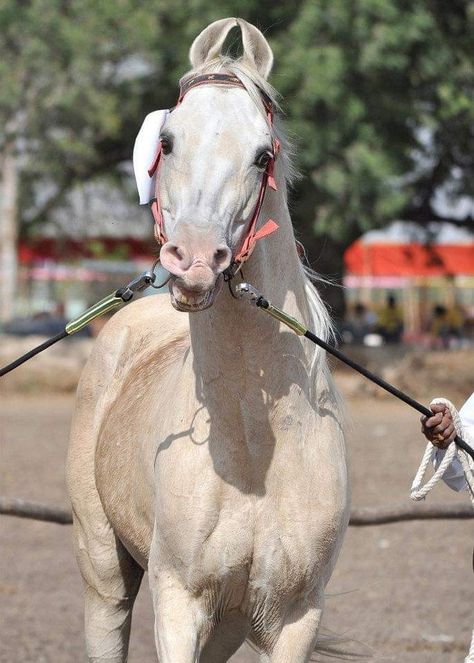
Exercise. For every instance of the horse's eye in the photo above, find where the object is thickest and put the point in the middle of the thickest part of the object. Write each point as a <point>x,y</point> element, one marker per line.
<point>166,145</point>
<point>263,159</point>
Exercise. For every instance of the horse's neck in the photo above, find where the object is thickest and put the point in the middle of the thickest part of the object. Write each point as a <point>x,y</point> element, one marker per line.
<point>234,336</point>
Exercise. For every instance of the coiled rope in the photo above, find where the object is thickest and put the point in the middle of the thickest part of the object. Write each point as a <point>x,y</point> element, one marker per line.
<point>419,490</point>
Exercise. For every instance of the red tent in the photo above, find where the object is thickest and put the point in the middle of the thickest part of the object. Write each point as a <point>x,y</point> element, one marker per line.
<point>406,249</point>
<point>66,249</point>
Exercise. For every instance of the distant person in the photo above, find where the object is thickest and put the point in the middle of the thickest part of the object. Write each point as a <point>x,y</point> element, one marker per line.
<point>390,321</point>
<point>440,326</point>
<point>456,318</point>
<point>359,322</point>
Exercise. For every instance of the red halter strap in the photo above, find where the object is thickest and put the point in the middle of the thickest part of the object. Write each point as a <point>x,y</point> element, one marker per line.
<point>268,179</point>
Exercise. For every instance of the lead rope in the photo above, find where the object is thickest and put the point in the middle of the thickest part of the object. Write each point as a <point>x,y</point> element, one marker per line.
<point>116,299</point>
<point>419,491</point>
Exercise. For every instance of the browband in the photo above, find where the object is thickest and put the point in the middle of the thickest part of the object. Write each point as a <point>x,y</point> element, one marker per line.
<point>215,79</point>
<point>223,80</point>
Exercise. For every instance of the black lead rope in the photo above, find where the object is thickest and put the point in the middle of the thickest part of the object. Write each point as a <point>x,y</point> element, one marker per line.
<point>245,289</point>
<point>28,355</point>
<point>116,299</point>
<point>383,384</point>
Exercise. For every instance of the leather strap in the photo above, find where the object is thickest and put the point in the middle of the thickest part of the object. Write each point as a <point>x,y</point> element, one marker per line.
<point>209,79</point>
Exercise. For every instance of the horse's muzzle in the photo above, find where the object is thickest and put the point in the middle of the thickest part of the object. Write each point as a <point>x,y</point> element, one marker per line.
<point>196,272</point>
<point>190,300</point>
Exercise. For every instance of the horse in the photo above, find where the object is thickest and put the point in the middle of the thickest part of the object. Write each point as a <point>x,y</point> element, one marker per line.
<point>207,444</point>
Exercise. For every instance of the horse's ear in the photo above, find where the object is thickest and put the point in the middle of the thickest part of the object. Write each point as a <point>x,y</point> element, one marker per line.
<point>257,51</point>
<point>209,42</point>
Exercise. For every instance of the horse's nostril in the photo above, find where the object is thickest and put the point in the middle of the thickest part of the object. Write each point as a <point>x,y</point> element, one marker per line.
<point>221,255</point>
<point>176,253</point>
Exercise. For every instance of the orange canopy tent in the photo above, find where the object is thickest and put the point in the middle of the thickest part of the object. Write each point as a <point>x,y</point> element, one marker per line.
<point>406,249</point>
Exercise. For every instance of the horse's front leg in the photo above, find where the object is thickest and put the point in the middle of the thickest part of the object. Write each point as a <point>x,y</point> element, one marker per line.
<point>111,582</point>
<point>296,640</point>
<point>178,619</point>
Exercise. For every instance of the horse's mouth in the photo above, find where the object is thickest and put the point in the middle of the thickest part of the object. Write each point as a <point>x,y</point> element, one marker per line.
<point>189,301</point>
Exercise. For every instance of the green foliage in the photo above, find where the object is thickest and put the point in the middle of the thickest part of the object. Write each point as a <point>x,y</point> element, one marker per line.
<point>378,94</point>
<point>65,98</point>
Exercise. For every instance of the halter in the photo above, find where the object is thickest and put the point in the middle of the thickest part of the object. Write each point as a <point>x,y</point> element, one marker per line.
<point>252,235</point>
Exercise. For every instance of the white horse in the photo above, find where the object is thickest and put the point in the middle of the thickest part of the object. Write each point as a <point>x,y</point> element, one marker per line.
<point>207,449</point>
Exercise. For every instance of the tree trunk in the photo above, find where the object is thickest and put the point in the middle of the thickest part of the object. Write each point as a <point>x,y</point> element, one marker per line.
<point>8,232</point>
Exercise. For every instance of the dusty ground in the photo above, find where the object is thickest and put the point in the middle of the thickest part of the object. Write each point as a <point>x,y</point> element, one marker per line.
<point>405,589</point>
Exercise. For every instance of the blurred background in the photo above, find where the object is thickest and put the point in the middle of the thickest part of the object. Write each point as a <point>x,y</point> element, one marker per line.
<point>378,101</point>
<point>378,98</point>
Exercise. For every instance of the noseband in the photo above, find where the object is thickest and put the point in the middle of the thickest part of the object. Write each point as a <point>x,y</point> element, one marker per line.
<point>252,235</point>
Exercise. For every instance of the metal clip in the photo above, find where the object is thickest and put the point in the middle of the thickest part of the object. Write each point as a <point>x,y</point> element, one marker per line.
<point>113,301</point>
<point>247,291</point>
<point>138,284</point>
<point>255,297</point>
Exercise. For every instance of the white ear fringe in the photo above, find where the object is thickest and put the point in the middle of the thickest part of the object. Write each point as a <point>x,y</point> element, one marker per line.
<point>144,153</point>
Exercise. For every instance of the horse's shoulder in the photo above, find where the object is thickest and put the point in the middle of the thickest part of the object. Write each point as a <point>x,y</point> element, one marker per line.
<point>141,333</point>
<point>147,318</point>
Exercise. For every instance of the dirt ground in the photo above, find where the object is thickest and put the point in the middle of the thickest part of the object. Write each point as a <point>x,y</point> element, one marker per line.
<point>406,590</point>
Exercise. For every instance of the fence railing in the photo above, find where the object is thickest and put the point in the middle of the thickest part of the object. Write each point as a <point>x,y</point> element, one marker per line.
<point>362,516</point>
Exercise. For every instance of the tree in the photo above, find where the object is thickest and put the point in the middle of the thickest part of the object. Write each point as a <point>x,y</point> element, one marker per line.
<point>65,93</point>
<point>380,97</point>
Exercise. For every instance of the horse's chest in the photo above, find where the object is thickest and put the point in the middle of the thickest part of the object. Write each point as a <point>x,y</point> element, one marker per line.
<point>240,548</point>
<point>239,511</point>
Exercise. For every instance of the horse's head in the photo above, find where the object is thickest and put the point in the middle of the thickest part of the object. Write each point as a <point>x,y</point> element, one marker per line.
<point>216,146</point>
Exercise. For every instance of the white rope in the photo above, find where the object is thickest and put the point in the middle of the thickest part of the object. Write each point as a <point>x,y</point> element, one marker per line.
<point>470,657</point>
<point>419,491</point>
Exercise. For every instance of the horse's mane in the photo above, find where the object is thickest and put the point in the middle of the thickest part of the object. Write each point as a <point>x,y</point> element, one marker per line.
<point>318,316</point>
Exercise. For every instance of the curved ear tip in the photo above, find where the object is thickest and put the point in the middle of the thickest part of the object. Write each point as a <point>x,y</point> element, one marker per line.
<point>257,50</point>
<point>222,21</point>
<point>214,33</point>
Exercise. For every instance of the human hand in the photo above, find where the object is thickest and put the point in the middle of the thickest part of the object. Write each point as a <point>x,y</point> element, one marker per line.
<point>439,429</point>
